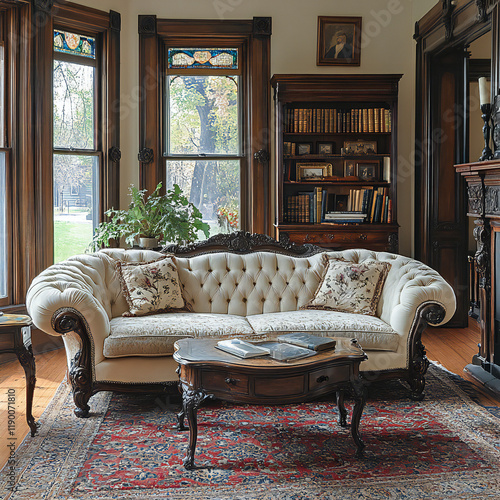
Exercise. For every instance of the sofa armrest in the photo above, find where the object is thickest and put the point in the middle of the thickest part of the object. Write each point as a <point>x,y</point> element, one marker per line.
<point>427,287</point>
<point>75,286</point>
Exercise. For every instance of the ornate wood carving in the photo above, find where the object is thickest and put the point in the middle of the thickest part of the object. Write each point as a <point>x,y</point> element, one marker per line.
<point>491,200</point>
<point>244,242</point>
<point>481,11</point>
<point>262,156</point>
<point>434,314</point>
<point>482,235</point>
<point>475,195</point>
<point>115,155</point>
<point>147,25</point>
<point>393,240</point>
<point>67,320</point>
<point>44,5</point>
<point>146,155</point>
<point>115,20</point>
<point>262,26</point>
<point>447,13</point>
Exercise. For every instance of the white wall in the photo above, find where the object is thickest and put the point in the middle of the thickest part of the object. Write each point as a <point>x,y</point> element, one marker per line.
<point>388,48</point>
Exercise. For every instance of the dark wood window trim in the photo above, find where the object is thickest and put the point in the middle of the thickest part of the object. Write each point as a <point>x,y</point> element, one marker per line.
<point>254,35</point>
<point>105,26</point>
<point>28,120</point>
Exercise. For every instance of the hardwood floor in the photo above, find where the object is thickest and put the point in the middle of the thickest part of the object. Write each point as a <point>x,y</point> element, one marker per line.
<point>451,347</point>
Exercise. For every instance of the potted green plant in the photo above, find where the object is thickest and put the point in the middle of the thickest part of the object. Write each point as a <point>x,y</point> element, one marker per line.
<point>163,218</point>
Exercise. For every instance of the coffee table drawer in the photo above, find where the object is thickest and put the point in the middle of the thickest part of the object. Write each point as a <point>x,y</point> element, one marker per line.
<point>224,381</point>
<point>329,376</point>
<point>279,387</point>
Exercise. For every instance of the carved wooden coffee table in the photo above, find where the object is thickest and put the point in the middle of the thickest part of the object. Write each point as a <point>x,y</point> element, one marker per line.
<point>207,372</point>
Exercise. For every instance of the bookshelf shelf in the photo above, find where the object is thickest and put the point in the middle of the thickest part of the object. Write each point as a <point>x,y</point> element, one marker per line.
<point>335,157</point>
<point>331,134</point>
<point>316,117</point>
<point>338,183</point>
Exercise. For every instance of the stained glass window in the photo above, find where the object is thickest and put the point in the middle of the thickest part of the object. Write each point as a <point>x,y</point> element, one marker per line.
<point>203,58</point>
<point>71,43</point>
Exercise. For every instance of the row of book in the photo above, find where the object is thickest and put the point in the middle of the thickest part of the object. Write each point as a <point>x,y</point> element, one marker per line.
<point>375,203</point>
<point>371,205</point>
<point>333,121</point>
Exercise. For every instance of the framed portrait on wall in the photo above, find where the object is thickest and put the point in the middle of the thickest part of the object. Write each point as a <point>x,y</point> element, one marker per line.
<point>339,41</point>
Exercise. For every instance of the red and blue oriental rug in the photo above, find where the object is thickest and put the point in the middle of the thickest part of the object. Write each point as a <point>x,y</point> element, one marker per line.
<point>446,446</point>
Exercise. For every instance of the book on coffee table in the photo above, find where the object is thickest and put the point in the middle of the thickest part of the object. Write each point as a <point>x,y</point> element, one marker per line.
<point>308,341</point>
<point>287,352</point>
<point>241,348</point>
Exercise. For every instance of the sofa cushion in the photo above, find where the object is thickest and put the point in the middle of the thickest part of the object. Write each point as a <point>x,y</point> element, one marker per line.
<point>150,287</point>
<point>350,287</point>
<point>371,332</point>
<point>156,334</point>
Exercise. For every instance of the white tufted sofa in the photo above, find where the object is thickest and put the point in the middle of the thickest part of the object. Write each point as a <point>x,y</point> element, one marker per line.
<point>250,287</point>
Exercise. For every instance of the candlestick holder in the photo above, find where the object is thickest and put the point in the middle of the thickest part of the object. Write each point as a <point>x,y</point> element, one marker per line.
<point>486,114</point>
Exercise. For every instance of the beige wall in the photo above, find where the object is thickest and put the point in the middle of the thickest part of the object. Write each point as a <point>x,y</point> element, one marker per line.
<point>388,48</point>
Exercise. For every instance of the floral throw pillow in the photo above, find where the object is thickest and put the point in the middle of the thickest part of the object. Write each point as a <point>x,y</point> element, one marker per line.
<point>350,287</point>
<point>151,287</point>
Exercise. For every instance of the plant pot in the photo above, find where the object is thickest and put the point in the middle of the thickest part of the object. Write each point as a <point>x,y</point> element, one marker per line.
<point>148,242</point>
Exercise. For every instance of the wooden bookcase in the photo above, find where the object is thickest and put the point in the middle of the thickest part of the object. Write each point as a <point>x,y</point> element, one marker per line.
<point>314,112</point>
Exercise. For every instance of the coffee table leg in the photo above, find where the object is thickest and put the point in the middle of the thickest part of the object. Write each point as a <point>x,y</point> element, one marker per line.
<point>191,400</point>
<point>359,390</point>
<point>341,407</point>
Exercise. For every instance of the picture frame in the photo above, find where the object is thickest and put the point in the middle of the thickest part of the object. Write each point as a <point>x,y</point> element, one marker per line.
<point>341,201</point>
<point>303,148</point>
<point>368,170</point>
<point>74,190</point>
<point>325,148</point>
<point>313,171</point>
<point>356,148</point>
<point>339,41</point>
<point>350,168</point>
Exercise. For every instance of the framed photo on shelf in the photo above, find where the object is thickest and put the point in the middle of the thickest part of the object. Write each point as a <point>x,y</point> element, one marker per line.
<point>349,168</point>
<point>341,202</point>
<point>339,41</point>
<point>313,171</point>
<point>303,148</point>
<point>368,170</point>
<point>325,148</point>
<point>360,147</point>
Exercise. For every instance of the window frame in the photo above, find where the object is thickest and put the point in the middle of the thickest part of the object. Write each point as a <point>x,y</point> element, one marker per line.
<point>105,27</point>
<point>155,35</point>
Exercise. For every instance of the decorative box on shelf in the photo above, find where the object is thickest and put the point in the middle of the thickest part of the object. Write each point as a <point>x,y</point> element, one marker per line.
<point>336,160</point>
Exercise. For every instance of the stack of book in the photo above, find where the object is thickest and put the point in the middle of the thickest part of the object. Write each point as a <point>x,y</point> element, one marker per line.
<point>345,217</point>
<point>289,347</point>
<point>333,121</point>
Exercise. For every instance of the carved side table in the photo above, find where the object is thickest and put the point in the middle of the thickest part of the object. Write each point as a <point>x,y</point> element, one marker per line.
<point>15,336</point>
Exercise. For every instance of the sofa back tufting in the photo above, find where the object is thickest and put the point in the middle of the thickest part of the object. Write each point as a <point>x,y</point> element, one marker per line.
<point>266,282</point>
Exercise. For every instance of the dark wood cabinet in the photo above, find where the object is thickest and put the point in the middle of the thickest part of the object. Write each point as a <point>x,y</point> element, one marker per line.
<point>483,193</point>
<point>336,151</point>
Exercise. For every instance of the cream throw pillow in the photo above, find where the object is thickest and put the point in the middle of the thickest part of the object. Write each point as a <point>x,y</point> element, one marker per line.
<point>350,287</point>
<point>150,287</point>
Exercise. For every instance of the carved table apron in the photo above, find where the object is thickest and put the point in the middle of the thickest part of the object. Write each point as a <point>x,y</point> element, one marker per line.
<point>206,372</point>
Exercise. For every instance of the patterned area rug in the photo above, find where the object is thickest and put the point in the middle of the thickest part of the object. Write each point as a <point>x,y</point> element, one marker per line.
<point>446,446</point>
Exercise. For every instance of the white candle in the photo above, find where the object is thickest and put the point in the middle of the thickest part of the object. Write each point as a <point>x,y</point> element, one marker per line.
<point>484,91</point>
